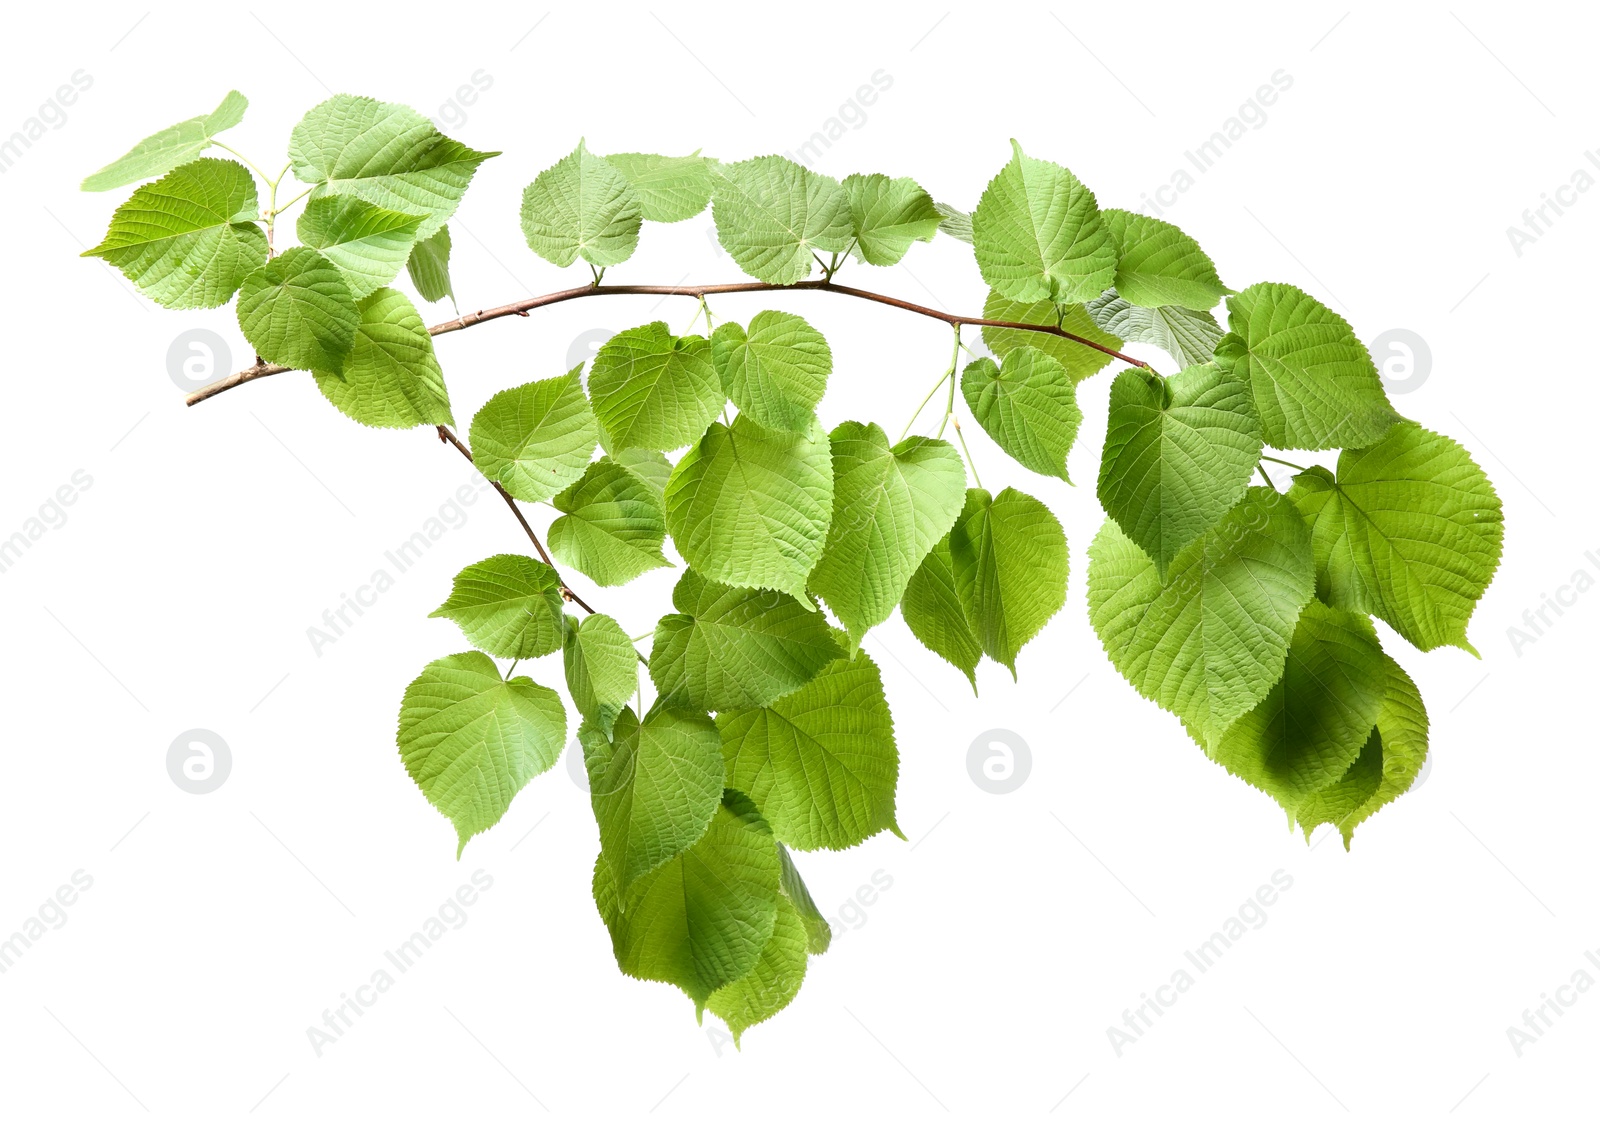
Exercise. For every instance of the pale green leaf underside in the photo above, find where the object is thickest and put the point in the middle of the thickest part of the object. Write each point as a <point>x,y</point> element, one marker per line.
<point>772,215</point>
<point>821,761</point>
<point>669,189</point>
<point>1210,642</point>
<point>429,267</point>
<point>776,372</point>
<point>508,605</point>
<point>297,311</point>
<point>1009,558</point>
<point>369,244</point>
<point>188,240</point>
<point>161,152</point>
<point>536,439</point>
<point>612,527</point>
<point>1179,453</point>
<point>1038,236</point>
<point>1189,337</point>
<point>955,222</point>
<point>581,207</point>
<point>1410,530</point>
<point>391,378</point>
<point>471,740</point>
<point>891,504</point>
<point>654,390</point>
<point>1027,405</point>
<point>751,507</point>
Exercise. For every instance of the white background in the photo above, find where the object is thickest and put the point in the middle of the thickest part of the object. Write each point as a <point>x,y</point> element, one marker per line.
<point>1018,927</point>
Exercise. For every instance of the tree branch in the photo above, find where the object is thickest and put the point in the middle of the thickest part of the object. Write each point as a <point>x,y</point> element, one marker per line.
<point>521,308</point>
<point>566,591</point>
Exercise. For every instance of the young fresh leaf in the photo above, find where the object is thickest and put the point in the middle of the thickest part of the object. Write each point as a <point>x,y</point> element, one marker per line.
<point>1009,558</point>
<point>613,525</point>
<point>429,267</point>
<point>161,152</point>
<point>1179,453</point>
<point>654,390</point>
<point>391,378</point>
<point>602,668</point>
<point>821,761</point>
<point>936,616</point>
<point>1314,383</point>
<point>891,504</point>
<point>887,216</point>
<point>1209,642</point>
<point>772,215</point>
<point>471,740</point>
<point>700,920</point>
<point>1079,360</point>
<point>369,244</point>
<point>728,647</point>
<point>775,979</point>
<point>581,206</point>
<point>751,507</point>
<point>1189,337</point>
<point>654,786</point>
<point>1038,236</point>
<point>1157,264</point>
<point>536,439</point>
<point>1313,723</point>
<point>955,222</point>
<point>1410,529</point>
<point>669,189</point>
<point>297,311</point>
<point>777,372</point>
<point>190,239</point>
<point>508,605</point>
<point>1027,405</point>
<point>389,155</point>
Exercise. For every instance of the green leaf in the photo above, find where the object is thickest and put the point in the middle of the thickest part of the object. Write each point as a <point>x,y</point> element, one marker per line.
<point>602,668</point>
<point>1027,405</point>
<point>1316,718</point>
<point>189,239</point>
<point>751,507</point>
<point>954,222</point>
<point>649,465</point>
<point>429,267</point>
<point>1157,264</point>
<point>389,155</point>
<point>369,244</point>
<point>297,311</point>
<point>1410,529</point>
<point>1038,236</point>
<point>1189,337</point>
<point>669,189</point>
<point>819,762</point>
<point>776,373</point>
<point>161,152</point>
<point>508,605</point>
<point>654,786</point>
<point>391,377</point>
<point>700,920</point>
<point>536,439</point>
<point>1401,740</point>
<point>775,980</point>
<point>772,215</point>
<point>471,740</point>
<point>728,647</point>
<point>581,206</point>
<point>887,216</point>
<point>936,616</point>
<point>1314,383</point>
<point>654,390</point>
<point>613,526</point>
<point>1009,558</point>
<point>891,504</point>
<point>1179,453</point>
<point>1079,360</point>
<point>819,935</point>
<point>1209,643</point>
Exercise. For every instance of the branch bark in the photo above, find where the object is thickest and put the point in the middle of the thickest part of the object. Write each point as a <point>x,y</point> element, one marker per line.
<point>261,370</point>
